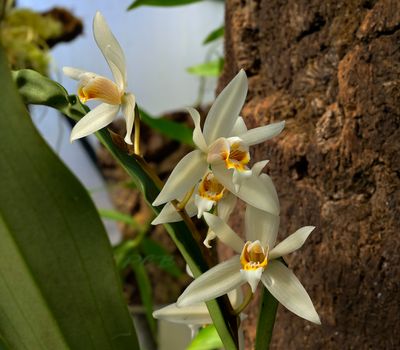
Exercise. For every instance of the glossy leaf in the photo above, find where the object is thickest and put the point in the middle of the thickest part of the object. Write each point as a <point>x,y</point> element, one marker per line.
<point>214,35</point>
<point>208,69</point>
<point>150,187</point>
<point>206,339</point>
<point>164,3</point>
<point>59,288</point>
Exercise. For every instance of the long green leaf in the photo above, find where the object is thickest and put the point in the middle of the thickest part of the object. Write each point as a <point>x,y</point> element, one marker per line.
<point>206,339</point>
<point>139,3</point>
<point>59,288</point>
<point>145,291</point>
<point>180,233</point>
<point>208,69</point>
<point>266,320</point>
<point>214,35</point>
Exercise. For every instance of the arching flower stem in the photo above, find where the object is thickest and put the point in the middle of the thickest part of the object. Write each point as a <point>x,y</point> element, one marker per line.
<point>185,200</point>
<point>246,301</point>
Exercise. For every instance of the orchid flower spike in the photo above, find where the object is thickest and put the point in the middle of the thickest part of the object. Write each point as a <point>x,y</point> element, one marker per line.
<point>257,260</point>
<point>223,147</point>
<point>112,94</point>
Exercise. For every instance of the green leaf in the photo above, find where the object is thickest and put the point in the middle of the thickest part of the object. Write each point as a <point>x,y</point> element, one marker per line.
<point>139,3</point>
<point>173,130</point>
<point>59,288</point>
<point>116,215</point>
<point>145,291</point>
<point>214,35</point>
<point>208,69</point>
<point>180,233</point>
<point>156,253</point>
<point>266,320</point>
<point>206,339</point>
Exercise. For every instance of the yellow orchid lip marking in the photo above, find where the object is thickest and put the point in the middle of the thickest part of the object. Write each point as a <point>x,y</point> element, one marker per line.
<point>253,256</point>
<point>237,158</point>
<point>210,188</point>
<point>99,88</point>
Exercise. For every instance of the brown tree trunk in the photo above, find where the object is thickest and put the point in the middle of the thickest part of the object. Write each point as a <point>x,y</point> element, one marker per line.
<point>331,69</point>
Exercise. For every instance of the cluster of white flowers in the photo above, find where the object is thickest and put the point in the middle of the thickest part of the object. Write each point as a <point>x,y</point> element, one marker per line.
<point>210,178</point>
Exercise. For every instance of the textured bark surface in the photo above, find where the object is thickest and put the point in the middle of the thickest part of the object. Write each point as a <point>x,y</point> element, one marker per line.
<point>331,69</point>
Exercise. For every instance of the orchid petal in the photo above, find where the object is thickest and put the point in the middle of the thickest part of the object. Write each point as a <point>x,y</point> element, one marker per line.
<point>226,205</point>
<point>185,175</point>
<point>269,185</point>
<point>287,289</point>
<point>258,167</point>
<point>261,134</point>
<point>261,226</point>
<point>239,127</point>
<point>224,232</point>
<point>170,214</point>
<point>217,281</point>
<point>194,314</point>
<point>291,243</point>
<point>224,112</point>
<point>111,49</point>
<point>211,235</point>
<point>198,137</point>
<point>252,191</point>
<point>95,120</point>
<point>73,73</point>
<point>203,205</point>
<point>128,109</point>
<point>252,277</point>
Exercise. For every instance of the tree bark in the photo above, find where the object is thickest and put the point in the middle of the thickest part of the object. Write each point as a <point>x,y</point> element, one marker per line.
<point>331,69</point>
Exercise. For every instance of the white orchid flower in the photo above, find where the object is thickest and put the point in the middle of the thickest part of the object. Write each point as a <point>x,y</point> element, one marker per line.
<point>223,146</point>
<point>92,86</point>
<point>258,260</point>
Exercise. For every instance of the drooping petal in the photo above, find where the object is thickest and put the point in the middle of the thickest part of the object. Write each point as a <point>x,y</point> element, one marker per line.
<point>239,128</point>
<point>291,243</point>
<point>262,133</point>
<point>211,235</point>
<point>224,232</point>
<point>217,281</point>
<point>226,206</point>
<point>73,73</point>
<point>224,112</point>
<point>111,49</point>
<point>261,225</point>
<point>239,176</point>
<point>95,120</point>
<point>252,191</point>
<point>258,167</point>
<point>287,289</point>
<point>252,277</point>
<point>193,314</point>
<point>203,205</point>
<point>186,174</point>
<point>128,109</point>
<point>198,137</point>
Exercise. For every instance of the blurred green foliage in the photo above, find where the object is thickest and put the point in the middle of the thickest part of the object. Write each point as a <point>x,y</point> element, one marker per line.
<point>24,34</point>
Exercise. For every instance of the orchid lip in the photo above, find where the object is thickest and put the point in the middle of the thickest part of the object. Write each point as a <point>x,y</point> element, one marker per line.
<point>254,256</point>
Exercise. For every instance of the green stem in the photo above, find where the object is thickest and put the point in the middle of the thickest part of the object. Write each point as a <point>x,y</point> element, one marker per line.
<point>266,320</point>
